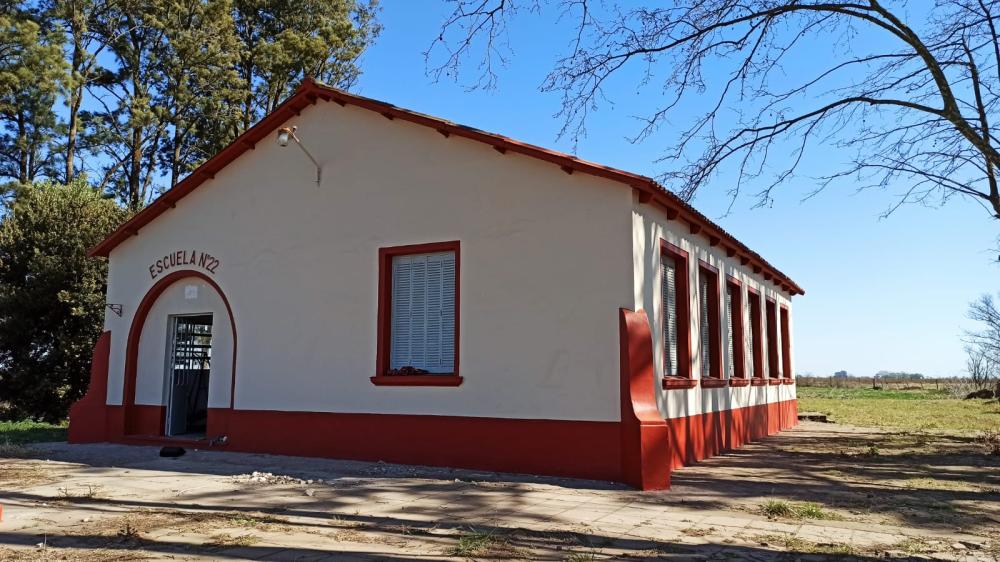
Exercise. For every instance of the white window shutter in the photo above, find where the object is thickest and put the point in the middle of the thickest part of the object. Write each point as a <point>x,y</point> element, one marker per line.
<point>749,331</point>
<point>423,312</point>
<point>704,346</point>
<point>730,314</point>
<point>448,314</point>
<point>668,290</point>
<point>401,291</point>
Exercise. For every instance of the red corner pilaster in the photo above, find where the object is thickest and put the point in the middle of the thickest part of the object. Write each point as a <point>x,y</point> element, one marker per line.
<point>645,439</point>
<point>88,421</point>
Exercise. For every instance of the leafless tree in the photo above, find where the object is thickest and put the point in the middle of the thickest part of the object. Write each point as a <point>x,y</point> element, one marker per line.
<point>985,341</point>
<point>911,91</point>
<point>982,368</point>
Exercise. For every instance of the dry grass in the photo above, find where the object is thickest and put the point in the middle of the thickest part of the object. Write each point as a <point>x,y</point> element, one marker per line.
<point>21,475</point>
<point>486,544</point>
<point>930,483</point>
<point>226,540</point>
<point>71,554</point>
<point>990,440</point>
<point>254,520</point>
<point>698,531</point>
<point>80,492</point>
<point>796,544</point>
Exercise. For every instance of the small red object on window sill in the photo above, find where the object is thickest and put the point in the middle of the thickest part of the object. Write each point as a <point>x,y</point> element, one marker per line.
<point>739,382</point>
<point>758,382</point>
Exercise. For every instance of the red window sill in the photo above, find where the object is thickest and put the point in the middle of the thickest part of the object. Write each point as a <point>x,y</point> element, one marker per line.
<point>758,382</point>
<point>416,380</point>
<point>713,383</point>
<point>739,382</point>
<point>773,381</point>
<point>679,382</point>
<point>787,381</point>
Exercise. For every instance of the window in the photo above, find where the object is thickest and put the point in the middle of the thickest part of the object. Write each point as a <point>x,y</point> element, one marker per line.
<point>734,330</point>
<point>674,315</point>
<point>772,341</point>
<point>708,322</point>
<point>418,315</point>
<point>786,344</point>
<point>755,340</point>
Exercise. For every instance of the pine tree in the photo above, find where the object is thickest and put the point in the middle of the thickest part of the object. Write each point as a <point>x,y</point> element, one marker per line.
<point>31,70</point>
<point>198,88</point>
<point>283,42</point>
<point>83,46</point>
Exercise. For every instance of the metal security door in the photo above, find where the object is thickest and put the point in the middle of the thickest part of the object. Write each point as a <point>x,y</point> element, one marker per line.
<point>189,369</point>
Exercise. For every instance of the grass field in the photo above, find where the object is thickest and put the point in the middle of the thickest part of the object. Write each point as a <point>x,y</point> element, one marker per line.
<point>21,432</point>
<point>910,409</point>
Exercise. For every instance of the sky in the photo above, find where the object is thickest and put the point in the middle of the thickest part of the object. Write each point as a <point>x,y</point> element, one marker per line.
<point>881,293</point>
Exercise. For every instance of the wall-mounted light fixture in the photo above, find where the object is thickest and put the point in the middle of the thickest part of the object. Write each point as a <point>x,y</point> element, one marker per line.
<point>288,133</point>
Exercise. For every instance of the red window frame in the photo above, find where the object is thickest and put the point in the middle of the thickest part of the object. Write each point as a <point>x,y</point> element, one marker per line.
<point>683,302</point>
<point>714,329</point>
<point>384,335</point>
<point>771,317</point>
<point>786,346</point>
<point>735,313</point>
<point>753,301</point>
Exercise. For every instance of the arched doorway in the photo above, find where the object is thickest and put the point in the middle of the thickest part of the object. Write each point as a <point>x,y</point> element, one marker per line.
<point>167,378</point>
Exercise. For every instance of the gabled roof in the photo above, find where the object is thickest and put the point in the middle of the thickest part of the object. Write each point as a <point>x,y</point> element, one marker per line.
<point>311,92</point>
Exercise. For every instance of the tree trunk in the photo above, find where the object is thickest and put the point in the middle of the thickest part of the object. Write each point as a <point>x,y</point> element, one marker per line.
<point>75,100</point>
<point>135,171</point>
<point>175,158</point>
<point>75,97</point>
<point>23,173</point>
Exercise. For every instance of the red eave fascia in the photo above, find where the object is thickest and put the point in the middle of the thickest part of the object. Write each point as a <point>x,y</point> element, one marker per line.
<point>310,90</point>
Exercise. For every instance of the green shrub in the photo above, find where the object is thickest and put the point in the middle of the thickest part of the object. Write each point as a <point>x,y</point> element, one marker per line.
<point>51,296</point>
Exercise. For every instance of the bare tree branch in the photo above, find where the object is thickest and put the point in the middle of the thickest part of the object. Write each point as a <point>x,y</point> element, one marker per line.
<point>912,103</point>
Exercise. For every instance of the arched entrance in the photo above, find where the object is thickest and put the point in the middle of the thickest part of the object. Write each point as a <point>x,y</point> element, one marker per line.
<point>151,420</point>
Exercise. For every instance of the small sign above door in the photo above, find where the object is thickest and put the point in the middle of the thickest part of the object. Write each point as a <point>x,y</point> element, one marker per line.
<point>184,258</point>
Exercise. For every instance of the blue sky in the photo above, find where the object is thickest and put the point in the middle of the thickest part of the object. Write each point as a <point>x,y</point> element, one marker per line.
<point>880,293</point>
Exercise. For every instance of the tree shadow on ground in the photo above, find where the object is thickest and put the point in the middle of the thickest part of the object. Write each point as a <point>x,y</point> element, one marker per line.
<point>437,542</point>
<point>816,462</point>
<point>923,480</point>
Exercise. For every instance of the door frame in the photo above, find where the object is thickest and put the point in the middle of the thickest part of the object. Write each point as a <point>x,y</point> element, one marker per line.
<point>169,358</point>
<point>133,419</point>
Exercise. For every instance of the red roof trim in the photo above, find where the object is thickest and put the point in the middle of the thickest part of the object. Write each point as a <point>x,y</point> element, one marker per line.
<point>308,93</point>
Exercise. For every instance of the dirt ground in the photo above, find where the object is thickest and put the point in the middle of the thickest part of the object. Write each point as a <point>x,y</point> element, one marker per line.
<point>817,492</point>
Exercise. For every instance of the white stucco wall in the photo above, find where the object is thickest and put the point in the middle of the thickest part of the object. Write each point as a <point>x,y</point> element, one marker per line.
<point>151,382</point>
<point>649,226</point>
<point>545,266</point>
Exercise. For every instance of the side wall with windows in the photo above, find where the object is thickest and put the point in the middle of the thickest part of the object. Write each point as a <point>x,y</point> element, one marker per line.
<point>715,411</point>
<point>544,269</point>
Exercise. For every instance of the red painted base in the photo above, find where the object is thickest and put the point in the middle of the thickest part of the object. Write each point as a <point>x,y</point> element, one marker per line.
<point>88,417</point>
<point>641,450</point>
<point>705,435</point>
<point>580,449</point>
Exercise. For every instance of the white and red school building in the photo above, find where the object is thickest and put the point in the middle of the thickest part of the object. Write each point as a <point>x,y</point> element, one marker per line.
<point>441,296</point>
